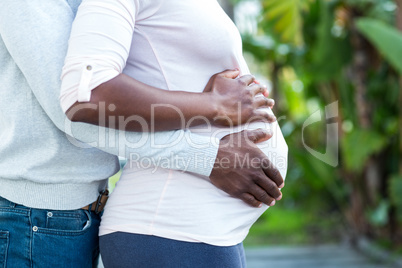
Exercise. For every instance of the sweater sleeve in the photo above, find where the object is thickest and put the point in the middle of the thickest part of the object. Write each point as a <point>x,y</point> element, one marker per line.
<point>36,34</point>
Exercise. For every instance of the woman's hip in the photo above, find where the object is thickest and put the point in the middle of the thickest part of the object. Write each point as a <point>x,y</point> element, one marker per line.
<point>121,249</point>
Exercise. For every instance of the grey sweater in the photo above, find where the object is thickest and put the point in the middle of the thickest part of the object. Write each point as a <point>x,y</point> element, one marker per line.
<point>45,160</point>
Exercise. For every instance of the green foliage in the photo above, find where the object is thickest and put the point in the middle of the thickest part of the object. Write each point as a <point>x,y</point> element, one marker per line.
<point>395,191</point>
<point>359,145</point>
<point>283,225</point>
<point>383,10</point>
<point>379,216</point>
<point>331,53</point>
<point>385,38</point>
<point>287,18</point>
<point>312,44</point>
<point>319,177</point>
<point>279,224</point>
<point>261,47</point>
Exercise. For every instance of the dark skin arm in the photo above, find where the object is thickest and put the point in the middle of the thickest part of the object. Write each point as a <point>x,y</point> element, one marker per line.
<point>225,101</point>
<point>254,184</point>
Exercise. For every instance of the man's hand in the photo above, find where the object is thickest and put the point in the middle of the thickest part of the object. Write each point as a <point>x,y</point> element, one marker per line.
<point>244,171</point>
<point>237,100</point>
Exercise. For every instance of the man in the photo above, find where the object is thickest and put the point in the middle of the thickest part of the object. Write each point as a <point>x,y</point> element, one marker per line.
<point>50,182</point>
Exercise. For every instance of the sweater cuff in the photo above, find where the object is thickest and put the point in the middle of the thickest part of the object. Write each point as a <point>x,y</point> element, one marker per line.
<point>200,153</point>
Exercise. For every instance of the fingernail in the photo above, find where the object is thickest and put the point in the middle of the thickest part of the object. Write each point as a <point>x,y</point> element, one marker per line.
<point>257,82</point>
<point>282,185</point>
<point>260,205</point>
<point>272,203</point>
<point>279,198</point>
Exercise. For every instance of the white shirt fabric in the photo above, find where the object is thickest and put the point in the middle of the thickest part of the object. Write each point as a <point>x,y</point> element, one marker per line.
<point>173,45</point>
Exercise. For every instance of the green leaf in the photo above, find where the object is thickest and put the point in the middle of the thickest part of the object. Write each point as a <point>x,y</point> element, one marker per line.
<point>277,8</point>
<point>331,53</point>
<point>318,175</point>
<point>395,192</point>
<point>379,216</point>
<point>286,16</point>
<point>261,47</point>
<point>387,39</point>
<point>359,145</point>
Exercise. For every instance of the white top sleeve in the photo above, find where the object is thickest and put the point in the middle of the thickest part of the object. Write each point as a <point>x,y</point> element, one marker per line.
<point>99,46</point>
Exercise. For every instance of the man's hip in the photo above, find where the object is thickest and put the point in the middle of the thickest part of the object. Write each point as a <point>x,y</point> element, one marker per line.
<point>47,238</point>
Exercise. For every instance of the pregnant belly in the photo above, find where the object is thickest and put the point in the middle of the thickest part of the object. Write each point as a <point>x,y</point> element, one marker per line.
<point>275,148</point>
<point>188,207</point>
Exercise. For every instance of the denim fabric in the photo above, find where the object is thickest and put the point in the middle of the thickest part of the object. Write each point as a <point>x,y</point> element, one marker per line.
<point>47,238</point>
<point>135,250</point>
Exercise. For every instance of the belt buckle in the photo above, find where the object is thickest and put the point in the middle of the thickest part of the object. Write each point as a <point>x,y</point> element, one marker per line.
<point>99,200</point>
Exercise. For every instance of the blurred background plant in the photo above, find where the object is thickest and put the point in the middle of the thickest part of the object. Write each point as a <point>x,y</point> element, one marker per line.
<point>314,53</point>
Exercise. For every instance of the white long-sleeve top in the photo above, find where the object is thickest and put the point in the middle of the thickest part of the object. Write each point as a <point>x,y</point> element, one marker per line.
<point>173,45</point>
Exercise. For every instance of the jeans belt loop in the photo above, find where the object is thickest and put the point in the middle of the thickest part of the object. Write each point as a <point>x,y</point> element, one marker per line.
<point>99,204</point>
<point>101,201</point>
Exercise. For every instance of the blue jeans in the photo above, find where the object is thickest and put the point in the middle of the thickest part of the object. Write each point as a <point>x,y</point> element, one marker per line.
<point>47,238</point>
<point>135,250</point>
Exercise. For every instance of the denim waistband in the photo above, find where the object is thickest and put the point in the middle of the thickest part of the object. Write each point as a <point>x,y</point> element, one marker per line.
<point>6,203</point>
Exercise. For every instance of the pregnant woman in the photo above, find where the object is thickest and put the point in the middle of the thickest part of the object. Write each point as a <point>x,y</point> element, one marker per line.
<point>158,217</point>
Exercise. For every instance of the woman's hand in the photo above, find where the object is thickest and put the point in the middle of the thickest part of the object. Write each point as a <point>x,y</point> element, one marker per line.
<point>237,100</point>
<point>226,101</point>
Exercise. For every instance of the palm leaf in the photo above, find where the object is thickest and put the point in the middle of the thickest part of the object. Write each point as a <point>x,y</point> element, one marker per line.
<point>286,18</point>
<point>386,38</point>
